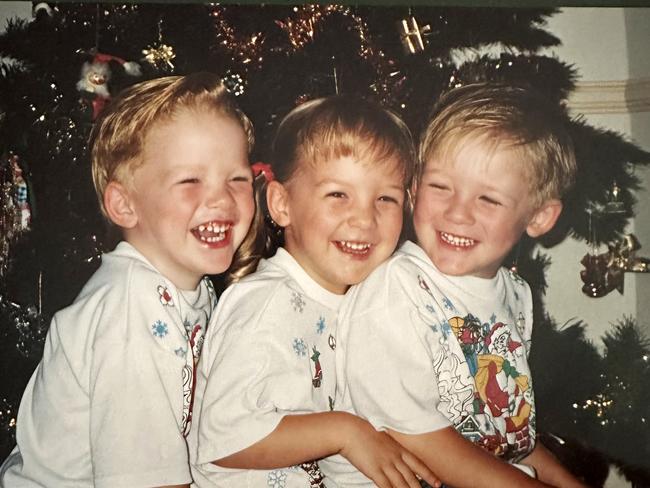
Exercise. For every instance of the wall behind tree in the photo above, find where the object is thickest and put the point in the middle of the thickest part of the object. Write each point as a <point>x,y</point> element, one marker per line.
<point>608,47</point>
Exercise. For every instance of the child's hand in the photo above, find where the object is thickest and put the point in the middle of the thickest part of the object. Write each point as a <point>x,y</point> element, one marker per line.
<point>382,459</point>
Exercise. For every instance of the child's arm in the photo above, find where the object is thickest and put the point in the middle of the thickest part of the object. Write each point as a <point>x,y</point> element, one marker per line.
<point>460,463</point>
<point>300,438</point>
<point>550,470</point>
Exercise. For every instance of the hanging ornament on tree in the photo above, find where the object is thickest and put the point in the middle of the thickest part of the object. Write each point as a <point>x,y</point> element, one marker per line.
<point>598,278</point>
<point>95,75</point>
<point>160,55</point>
<point>606,272</point>
<point>234,83</point>
<point>15,210</point>
<point>614,203</point>
<point>412,35</point>
<point>622,255</point>
<point>21,195</point>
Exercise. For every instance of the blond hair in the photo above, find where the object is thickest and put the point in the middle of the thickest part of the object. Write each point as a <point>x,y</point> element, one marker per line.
<point>117,139</point>
<point>316,132</point>
<point>514,116</point>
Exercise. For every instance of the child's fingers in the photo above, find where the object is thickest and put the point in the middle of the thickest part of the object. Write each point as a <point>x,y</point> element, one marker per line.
<point>421,470</point>
<point>408,475</point>
<point>400,476</point>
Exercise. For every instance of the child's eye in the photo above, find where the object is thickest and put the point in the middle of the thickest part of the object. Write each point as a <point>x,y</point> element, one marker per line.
<point>389,199</point>
<point>189,181</point>
<point>245,179</point>
<point>438,186</point>
<point>336,194</point>
<point>490,200</point>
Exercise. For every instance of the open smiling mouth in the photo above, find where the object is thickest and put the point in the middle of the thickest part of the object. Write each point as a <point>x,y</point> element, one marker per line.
<point>356,248</point>
<point>212,232</point>
<point>456,241</point>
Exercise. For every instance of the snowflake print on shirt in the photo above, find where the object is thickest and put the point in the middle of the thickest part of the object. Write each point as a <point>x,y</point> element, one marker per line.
<point>159,329</point>
<point>300,347</point>
<point>320,325</point>
<point>297,301</point>
<point>276,478</point>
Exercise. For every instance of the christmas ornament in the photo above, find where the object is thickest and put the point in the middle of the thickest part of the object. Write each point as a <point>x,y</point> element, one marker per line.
<point>160,55</point>
<point>21,197</point>
<point>234,83</point>
<point>15,210</point>
<point>96,74</point>
<point>605,272</point>
<point>411,35</point>
<point>614,203</point>
<point>622,255</point>
<point>598,278</point>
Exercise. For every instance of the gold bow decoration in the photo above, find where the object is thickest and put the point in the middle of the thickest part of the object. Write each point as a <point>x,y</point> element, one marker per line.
<point>412,35</point>
<point>606,272</point>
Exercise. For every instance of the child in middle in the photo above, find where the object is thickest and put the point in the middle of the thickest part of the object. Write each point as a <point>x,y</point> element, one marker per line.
<point>266,383</point>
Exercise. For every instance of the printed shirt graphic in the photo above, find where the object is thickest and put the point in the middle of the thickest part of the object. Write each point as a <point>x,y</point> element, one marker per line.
<point>190,311</point>
<point>420,351</point>
<point>269,352</point>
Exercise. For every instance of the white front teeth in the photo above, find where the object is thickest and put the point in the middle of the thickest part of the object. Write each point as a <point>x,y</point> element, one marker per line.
<point>214,227</point>
<point>457,240</point>
<point>355,246</point>
<point>212,232</point>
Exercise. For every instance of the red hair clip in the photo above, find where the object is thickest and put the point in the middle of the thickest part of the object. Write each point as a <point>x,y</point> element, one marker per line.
<point>263,168</point>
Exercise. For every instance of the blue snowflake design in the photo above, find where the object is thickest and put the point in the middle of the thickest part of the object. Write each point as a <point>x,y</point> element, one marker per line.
<point>320,325</point>
<point>300,347</point>
<point>430,308</point>
<point>277,479</point>
<point>297,302</point>
<point>159,329</point>
<point>445,328</point>
<point>447,303</point>
<point>180,352</point>
<point>493,319</point>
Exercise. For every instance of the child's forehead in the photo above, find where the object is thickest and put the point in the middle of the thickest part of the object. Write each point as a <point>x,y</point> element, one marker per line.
<point>478,150</point>
<point>364,154</point>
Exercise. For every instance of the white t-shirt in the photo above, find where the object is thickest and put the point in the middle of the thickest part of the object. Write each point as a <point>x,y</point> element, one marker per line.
<point>110,402</point>
<point>420,351</point>
<point>269,353</point>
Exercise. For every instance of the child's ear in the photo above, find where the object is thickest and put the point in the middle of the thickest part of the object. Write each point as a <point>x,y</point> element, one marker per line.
<point>277,201</point>
<point>544,218</point>
<point>118,205</point>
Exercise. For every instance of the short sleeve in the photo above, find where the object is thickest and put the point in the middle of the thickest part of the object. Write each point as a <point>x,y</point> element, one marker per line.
<point>389,359</point>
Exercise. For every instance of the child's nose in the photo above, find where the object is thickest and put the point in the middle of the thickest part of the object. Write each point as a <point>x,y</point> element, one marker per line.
<point>459,211</point>
<point>362,216</point>
<point>218,195</point>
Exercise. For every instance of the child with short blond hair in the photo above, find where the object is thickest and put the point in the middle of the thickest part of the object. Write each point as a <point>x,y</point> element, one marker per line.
<point>435,342</point>
<point>266,384</point>
<point>110,403</point>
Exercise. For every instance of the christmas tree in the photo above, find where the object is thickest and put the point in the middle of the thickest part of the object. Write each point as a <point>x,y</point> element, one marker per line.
<point>70,58</point>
